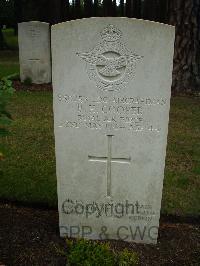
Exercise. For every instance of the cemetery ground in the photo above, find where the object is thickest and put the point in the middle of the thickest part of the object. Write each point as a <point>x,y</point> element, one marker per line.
<point>29,219</point>
<point>9,61</point>
<point>31,143</point>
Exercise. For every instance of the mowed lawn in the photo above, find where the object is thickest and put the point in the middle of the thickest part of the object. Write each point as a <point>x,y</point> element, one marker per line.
<point>9,59</point>
<point>9,63</point>
<point>28,170</point>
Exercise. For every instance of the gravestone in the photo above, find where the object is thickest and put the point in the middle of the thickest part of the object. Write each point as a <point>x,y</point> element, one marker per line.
<point>34,51</point>
<point>111,82</point>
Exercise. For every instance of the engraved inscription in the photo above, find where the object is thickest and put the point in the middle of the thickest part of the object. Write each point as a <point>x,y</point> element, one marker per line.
<point>111,113</point>
<point>34,32</point>
<point>32,59</point>
<point>109,160</point>
<point>110,64</point>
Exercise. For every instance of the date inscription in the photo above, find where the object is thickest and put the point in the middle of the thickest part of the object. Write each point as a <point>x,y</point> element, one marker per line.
<point>110,113</point>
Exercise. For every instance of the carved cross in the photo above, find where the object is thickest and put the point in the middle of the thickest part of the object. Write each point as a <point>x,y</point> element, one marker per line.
<point>109,160</point>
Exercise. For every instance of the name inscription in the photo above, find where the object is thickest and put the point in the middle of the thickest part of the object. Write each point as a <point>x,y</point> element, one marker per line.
<point>111,113</point>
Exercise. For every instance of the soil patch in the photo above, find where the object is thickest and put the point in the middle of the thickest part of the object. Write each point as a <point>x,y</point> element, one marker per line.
<point>30,236</point>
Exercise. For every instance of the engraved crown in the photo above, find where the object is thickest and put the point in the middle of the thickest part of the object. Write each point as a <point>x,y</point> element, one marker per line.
<point>111,34</point>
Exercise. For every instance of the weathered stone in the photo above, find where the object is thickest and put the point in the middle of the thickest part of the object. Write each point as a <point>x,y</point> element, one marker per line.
<point>111,80</point>
<point>34,51</point>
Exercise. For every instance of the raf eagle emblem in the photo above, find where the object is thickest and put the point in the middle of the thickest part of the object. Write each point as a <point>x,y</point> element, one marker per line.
<point>110,64</point>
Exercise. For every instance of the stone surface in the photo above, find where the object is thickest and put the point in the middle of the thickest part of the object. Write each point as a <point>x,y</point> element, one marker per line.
<point>34,51</point>
<point>111,81</point>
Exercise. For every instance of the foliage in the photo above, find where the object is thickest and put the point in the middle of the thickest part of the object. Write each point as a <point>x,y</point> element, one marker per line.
<point>73,9</point>
<point>126,258</point>
<point>6,91</point>
<point>3,44</point>
<point>84,253</point>
<point>11,39</point>
<point>7,12</point>
<point>89,253</point>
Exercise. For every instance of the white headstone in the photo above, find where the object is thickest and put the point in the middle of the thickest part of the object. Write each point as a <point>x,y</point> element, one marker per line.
<point>111,80</point>
<point>34,51</point>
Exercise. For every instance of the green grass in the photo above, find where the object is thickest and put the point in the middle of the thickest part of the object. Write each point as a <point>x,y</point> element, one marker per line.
<point>9,63</point>
<point>8,69</point>
<point>28,170</point>
<point>9,59</point>
<point>11,39</point>
<point>181,193</point>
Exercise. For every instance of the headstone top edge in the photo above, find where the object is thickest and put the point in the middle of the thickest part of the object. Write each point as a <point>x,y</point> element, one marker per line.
<point>33,22</point>
<point>114,18</point>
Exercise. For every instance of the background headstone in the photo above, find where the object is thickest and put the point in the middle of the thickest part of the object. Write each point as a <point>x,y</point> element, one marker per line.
<point>34,51</point>
<point>111,81</point>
